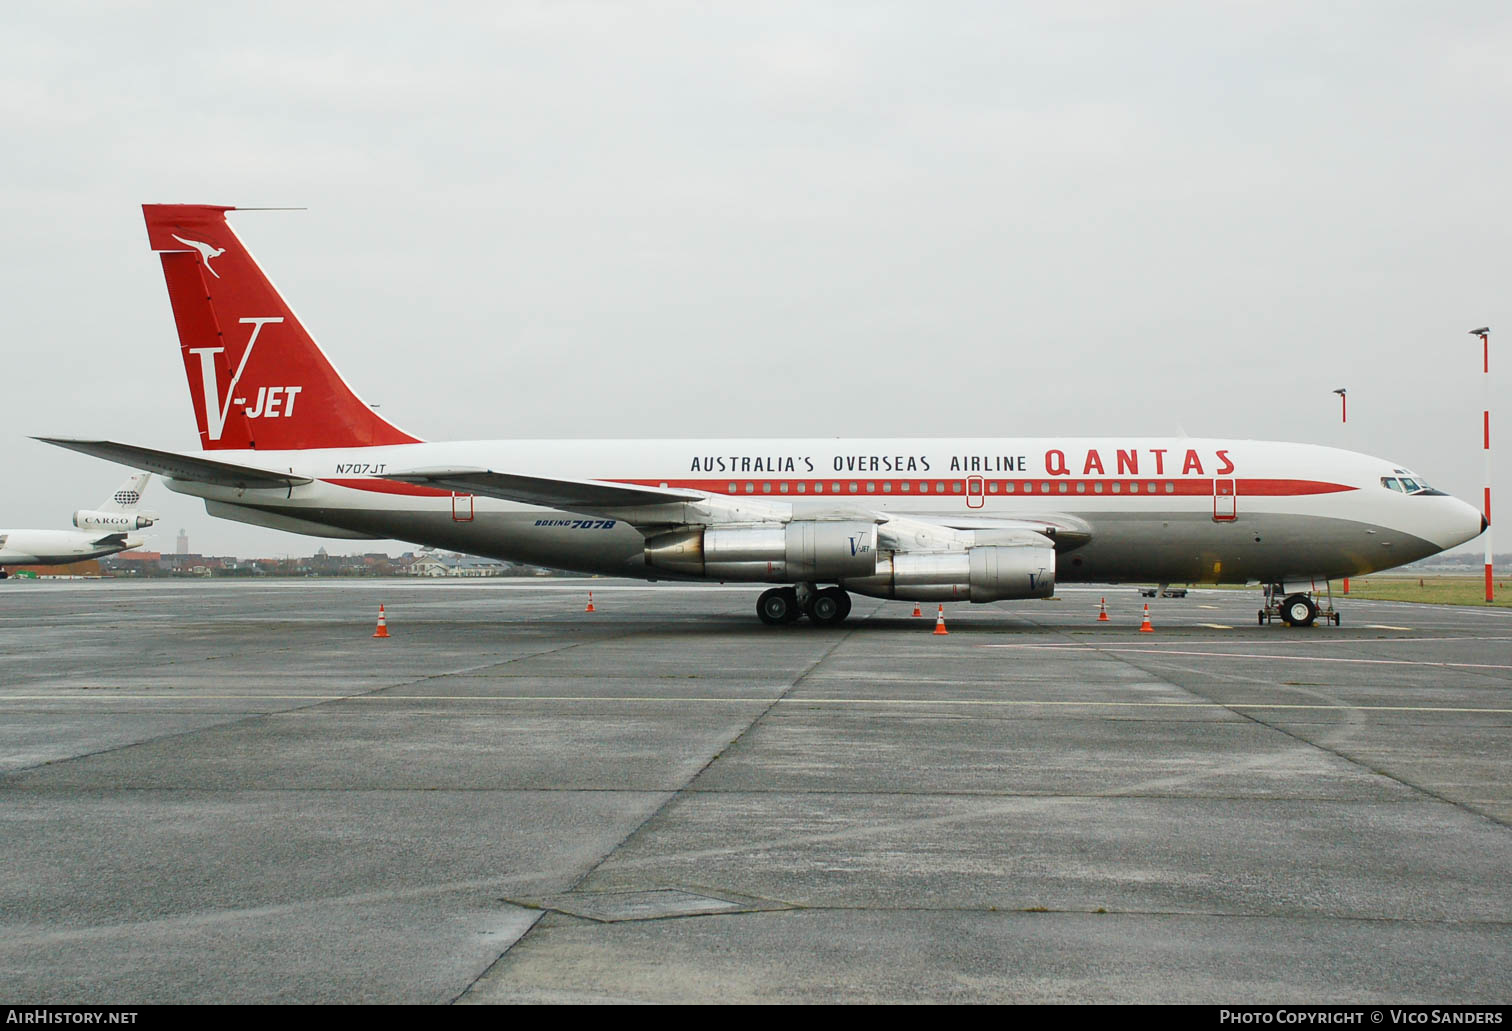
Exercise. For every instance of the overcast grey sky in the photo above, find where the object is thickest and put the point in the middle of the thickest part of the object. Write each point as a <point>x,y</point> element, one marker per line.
<point>628,220</point>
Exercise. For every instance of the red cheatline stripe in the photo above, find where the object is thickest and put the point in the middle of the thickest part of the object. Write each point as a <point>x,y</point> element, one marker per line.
<point>955,485</point>
<point>392,487</point>
<point>1126,488</point>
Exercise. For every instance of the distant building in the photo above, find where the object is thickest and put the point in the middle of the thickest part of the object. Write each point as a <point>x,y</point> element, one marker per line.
<point>458,565</point>
<point>183,542</point>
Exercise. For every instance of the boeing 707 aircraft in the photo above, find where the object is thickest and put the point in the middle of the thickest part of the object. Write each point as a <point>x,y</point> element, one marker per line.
<point>285,443</point>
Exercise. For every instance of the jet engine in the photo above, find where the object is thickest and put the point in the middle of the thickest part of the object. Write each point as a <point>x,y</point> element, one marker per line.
<point>114,522</point>
<point>807,549</point>
<point>981,574</point>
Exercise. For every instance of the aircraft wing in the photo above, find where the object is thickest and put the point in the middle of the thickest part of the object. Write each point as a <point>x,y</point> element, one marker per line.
<point>570,495</point>
<point>180,467</point>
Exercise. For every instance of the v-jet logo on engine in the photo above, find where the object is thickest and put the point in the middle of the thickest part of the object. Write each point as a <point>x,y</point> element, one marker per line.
<point>272,402</point>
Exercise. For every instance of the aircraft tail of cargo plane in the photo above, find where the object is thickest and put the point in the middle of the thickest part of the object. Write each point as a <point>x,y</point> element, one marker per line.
<point>103,530</point>
<point>286,443</point>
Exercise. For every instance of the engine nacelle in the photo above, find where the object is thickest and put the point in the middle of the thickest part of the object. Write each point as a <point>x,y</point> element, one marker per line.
<point>114,522</point>
<point>994,573</point>
<point>807,549</point>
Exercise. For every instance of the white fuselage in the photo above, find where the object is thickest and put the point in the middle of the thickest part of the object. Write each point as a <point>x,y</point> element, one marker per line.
<point>1201,510</point>
<point>57,547</point>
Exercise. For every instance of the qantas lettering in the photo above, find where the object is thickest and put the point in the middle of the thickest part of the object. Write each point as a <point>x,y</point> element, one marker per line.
<point>1127,463</point>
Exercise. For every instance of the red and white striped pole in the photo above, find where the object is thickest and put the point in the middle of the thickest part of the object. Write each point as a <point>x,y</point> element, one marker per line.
<point>1343,418</point>
<point>1485,334</point>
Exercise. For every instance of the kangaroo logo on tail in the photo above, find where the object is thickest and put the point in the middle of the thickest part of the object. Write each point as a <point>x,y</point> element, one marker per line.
<point>206,251</point>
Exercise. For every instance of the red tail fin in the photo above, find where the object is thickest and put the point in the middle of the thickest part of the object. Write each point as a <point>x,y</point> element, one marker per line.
<point>257,377</point>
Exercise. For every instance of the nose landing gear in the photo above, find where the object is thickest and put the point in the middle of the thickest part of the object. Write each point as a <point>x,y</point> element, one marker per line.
<point>1298,609</point>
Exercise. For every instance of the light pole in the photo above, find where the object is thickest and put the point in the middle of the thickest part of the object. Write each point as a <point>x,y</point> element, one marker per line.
<point>1485,334</point>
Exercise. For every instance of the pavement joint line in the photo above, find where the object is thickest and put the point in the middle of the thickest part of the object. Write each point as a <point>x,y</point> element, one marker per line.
<point>314,702</point>
<point>1318,745</point>
<point>768,702</point>
<point>672,796</point>
<point>1253,714</point>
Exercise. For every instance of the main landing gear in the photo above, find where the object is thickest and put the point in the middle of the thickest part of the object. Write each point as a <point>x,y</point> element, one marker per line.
<point>824,607</point>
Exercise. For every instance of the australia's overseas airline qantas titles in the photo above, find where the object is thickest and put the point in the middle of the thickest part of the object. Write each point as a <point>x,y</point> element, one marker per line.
<point>285,443</point>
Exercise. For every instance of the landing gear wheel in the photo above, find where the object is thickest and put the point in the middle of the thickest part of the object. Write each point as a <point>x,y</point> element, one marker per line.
<point>779,605</point>
<point>1299,610</point>
<point>829,606</point>
<point>1260,617</point>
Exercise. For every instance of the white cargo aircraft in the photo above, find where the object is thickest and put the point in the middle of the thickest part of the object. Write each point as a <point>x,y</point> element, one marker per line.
<point>285,443</point>
<point>103,530</point>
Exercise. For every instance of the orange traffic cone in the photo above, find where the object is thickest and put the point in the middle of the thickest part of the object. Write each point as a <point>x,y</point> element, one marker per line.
<point>940,623</point>
<point>1145,627</point>
<point>916,610</point>
<point>590,607</point>
<point>382,630</point>
<point>1102,611</point>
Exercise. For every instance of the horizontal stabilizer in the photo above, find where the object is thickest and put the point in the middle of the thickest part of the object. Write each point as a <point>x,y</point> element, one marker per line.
<point>180,467</point>
<point>572,495</point>
<point>109,539</point>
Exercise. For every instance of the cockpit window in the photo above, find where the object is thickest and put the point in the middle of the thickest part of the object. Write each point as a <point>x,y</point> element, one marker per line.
<point>1409,484</point>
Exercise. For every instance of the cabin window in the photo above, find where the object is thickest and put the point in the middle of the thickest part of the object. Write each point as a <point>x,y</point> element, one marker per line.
<point>802,486</point>
<point>733,488</point>
<point>903,486</point>
<point>1170,487</point>
<point>783,487</point>
<point>886,486</point>
<point>1097,487</point>
<point>1081,488</point>
<point>923,488</point>
<point>955,485</point>
<point>871,487</point>
<point>750,488</point>
<point>992,487</point>
<point>1062,486</point>
<point>853,488</point>
<point>818,488</point>
<point>766,488</point>
<point>1008,487</point>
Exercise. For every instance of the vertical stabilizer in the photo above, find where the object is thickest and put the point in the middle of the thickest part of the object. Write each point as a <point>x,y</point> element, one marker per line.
<point>257,377</point>
<point>127,496</point>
